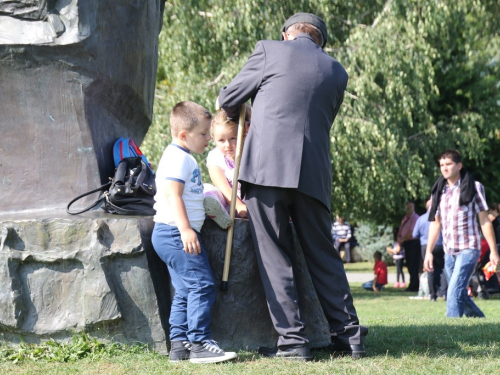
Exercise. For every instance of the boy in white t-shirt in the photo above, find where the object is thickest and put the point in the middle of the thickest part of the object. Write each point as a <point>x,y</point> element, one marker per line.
<point>221,163</point>
<point>176,236</point>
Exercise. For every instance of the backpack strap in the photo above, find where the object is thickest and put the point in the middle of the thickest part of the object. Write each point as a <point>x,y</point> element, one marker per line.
<point>101,198</point>
<point>120,150</point>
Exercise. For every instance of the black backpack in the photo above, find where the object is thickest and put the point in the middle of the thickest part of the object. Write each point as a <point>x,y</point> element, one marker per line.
<point>131,191</point>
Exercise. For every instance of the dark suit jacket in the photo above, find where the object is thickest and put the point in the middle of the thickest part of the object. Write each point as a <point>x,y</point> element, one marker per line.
<point>296,90</point>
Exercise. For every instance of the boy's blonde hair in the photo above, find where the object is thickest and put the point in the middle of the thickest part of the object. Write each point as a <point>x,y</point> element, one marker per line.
<point>221,118</point>
<point>186,115</point>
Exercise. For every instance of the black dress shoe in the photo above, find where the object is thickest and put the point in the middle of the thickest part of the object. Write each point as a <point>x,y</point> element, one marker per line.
<point>355,351</point>
<point>296,352</point>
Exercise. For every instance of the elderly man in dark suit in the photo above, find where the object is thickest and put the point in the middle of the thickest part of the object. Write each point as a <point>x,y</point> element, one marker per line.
<point>296,91</point>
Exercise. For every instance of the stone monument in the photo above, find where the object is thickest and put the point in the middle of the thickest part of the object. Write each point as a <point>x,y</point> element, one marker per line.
<point>74,76</point>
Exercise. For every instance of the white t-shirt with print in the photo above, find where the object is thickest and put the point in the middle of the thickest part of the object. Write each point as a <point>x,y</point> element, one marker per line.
<point>178,164</point>
<point>216,158</point>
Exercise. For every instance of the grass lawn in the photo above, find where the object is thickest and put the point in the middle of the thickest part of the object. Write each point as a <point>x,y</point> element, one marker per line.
<point>406,337</point>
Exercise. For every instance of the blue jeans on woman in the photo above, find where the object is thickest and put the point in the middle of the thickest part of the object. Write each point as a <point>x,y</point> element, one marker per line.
<point>459,269</point>
<point>194,285</point>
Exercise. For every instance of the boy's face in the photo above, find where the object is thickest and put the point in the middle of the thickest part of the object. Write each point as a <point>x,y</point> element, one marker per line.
<point>197,139</point>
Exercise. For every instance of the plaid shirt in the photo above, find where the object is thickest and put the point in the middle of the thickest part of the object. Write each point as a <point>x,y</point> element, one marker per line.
<point>460,228</point>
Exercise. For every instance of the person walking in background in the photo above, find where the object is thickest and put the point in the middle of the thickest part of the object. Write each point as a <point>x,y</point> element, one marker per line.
<point>341,233</point>
<point>410,245</point>
<point>296,90</point>
<point>456,201</point>
<point>421,231</point>
<point>380,271</point>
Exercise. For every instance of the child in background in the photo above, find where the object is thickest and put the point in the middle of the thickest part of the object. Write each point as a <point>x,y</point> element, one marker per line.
<point>176,237</point>
<point>220,163</point>
<point>398,254</point>
<point>380,272</point>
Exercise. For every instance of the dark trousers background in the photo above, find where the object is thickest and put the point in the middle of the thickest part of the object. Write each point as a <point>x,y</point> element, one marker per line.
<point>412,256</point>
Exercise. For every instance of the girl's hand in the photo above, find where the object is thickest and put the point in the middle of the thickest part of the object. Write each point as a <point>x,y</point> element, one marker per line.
<point>241,209</point>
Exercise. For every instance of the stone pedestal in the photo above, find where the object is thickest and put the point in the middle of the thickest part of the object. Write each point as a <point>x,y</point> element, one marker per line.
<point>99,273</point>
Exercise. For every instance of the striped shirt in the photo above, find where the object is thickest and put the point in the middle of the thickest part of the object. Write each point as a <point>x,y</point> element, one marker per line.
<point>341,230</point>
<point>460,228</point>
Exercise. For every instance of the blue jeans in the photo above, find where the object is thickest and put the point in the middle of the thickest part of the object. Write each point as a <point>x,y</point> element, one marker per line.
<point>369,286</point>
<point>459,269</point>
<point>194,285</point>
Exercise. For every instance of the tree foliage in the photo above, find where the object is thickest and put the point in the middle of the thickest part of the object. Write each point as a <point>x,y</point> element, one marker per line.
<point>424,77</point>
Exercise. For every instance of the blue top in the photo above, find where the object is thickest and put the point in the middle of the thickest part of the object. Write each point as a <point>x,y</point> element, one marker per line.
<point>421,230</point>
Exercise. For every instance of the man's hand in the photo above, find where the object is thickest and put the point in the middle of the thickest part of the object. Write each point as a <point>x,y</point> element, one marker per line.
<point>429,259</point>
<point>190,241</point>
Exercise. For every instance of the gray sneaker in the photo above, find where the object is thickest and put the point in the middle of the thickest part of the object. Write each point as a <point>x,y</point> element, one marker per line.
<point>215,211</point>
<point>208,351</point>
<point>179,351</point>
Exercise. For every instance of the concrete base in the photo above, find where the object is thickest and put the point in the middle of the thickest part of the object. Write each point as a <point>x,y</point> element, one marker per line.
<point>99,273</point>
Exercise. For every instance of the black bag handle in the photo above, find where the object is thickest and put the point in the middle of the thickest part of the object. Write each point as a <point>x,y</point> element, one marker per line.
<point>121,210</point>
<point>102,188</point>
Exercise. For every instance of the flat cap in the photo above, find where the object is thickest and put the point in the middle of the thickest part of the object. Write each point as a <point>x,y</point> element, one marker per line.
<point>307,18</point>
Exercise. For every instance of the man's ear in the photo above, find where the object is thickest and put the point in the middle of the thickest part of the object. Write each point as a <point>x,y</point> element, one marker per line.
<point>460,165</point>
<point>285,35</point>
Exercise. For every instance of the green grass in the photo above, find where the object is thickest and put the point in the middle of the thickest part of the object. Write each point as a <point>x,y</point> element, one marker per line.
<point>406,337</point>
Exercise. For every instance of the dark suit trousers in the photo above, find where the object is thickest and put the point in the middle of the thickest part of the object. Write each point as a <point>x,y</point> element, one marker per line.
<point>269,211</point>
<point>412,255</point>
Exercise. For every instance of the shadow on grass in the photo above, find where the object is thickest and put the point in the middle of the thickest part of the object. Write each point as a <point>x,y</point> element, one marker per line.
<point>388,291</point>
<point>435,340</point>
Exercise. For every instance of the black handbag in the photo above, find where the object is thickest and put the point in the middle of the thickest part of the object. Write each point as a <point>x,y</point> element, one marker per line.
<point>131,191</point>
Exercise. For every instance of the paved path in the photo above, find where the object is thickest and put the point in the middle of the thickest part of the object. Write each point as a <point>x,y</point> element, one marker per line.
<point>361,277</point>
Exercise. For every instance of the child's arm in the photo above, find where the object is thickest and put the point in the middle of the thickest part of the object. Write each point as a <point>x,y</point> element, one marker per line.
<point>173,191</point>
<point>220,182</point>
<point>375,283</point>
<point>397,249</point>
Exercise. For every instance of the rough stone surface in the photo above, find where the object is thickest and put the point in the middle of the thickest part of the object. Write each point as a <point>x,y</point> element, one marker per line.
<point>74,76</point>
<point>64,275</point>
<point>240,316</point>
<point>99,273</point>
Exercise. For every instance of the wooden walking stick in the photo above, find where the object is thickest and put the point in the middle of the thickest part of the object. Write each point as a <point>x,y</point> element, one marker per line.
<point>234,194</point>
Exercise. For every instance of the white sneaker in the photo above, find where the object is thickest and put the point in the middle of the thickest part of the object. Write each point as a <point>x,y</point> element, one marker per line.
<point>208,351</point>
<point>215,211</point>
